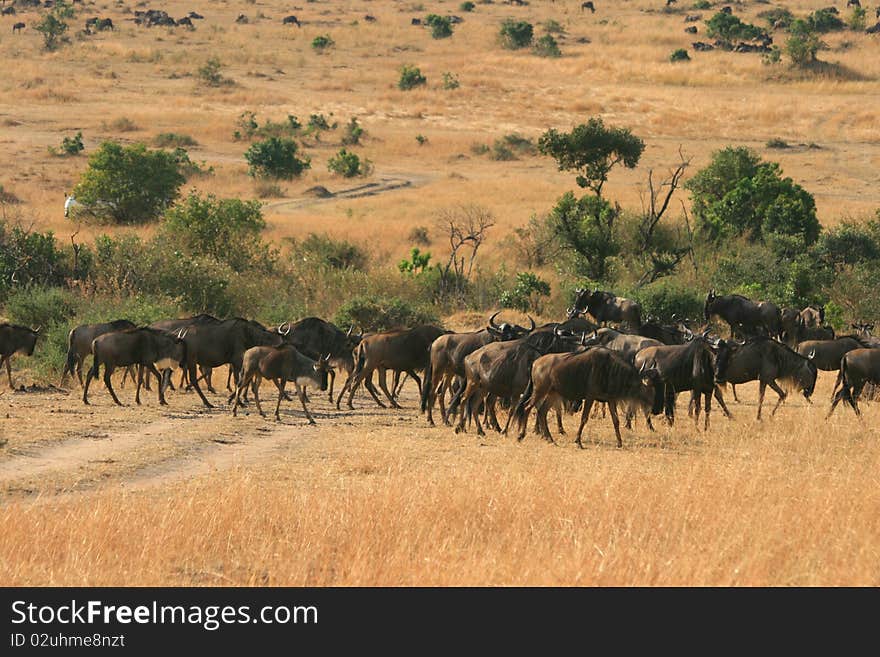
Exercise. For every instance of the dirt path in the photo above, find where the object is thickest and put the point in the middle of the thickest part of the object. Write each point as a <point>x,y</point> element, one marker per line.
<point>387,183</point>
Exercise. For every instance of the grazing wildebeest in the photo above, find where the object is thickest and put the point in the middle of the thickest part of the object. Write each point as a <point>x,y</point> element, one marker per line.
<point>446,364</point>
<point>280,365</point>
<point>195,16</point>
<point>826,354</point>
<point>691,29</point>
<point>7,11</point>
<point>853,3</point>
<point>857,368</point>
<point>669,3</point>
<point>501,370</point>
<point>727,9</point>
<point>242,19</point>
<point>369,18</point>
<point>400,350</point>
<point>314,337</point>
<point>626,344</point>
<point>766,361</point>
<point>744,314</point>
<point>590,375</point>
<point>588,5</point>
<point>16,339</point>
<point>605,307</point>
<point>805,324</point>
<point>145,347</point>
<point>416,21</point>
<point>692,18</point>
<point>223,343</point>
<point>701,46</point>
<point>79,344</point>
<point>290,20</point>
<point>186,21</point>
<point>18,27</point>
<point>686,367</point>
<point>676,333</point>
<point>104,24</point>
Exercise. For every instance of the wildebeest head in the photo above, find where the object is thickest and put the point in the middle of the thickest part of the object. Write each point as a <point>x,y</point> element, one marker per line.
<point>652,381</point>
<point>806,377</point>
<point>322,367</point>
<point>505,331</point>
<point>581,299</point>
<point>709,299</point>
<point>353,339</point>
<point>723,351</point>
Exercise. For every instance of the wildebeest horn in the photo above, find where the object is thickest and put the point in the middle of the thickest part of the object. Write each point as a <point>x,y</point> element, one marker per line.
<point>533,323</point>
<point>492,320</point>
<point>181,333</point>
<point>281,328</point>
<point>812,353</point>
<point>327,358</point>
<point>583,339</point>
<point>350,329</point>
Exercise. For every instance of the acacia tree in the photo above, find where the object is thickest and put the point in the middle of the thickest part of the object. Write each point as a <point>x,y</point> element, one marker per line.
<point>586,225</point>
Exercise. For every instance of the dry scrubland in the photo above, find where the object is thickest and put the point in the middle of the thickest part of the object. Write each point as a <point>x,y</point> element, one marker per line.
<point>103,495</point>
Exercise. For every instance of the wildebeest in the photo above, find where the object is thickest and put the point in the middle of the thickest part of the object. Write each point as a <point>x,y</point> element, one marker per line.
<point>416,21</point>
<point>826,354</point>
<point>314,337</point>
<point>446,363</point>
<point>687,367</point>
<point>727,9</point>
<point>242,19</point>
<point>79,344</point>
<point>805,324</point>
<point>369,18</point>
<point>590,375</point>
<point>15,339</point>
<point>743,314</point>
<point>195,16</point>
<point>853,3</point>
<point>701,46</point>
<point>692,18</point>
<point>104,24</point>
<point>676,333</point>
<point>766,361</point>
<point>290,20</point>
<point>173,326</point>
<point>857,368</point>
<point>280,365</point>
<point>400,350</point>
<point>501,370</point>
<point>223,343</point>
<point>145,347</point>
<point>588,5</point>
<point>691,29</point>
<point>7,11</point>
<point>605,307</point>
<point>626,344</point>
<point>18,27</point>
<point>186,21</point>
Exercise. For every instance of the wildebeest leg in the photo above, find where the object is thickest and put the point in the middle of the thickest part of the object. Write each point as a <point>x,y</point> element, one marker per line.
<point>559,418</point>
<point>475,404</point>
<point>302,400</point>
<point>779,391</point>
<point>368,384</point>
<point>733,390</point>
<point>331,372</point>
<point>79,370</point>
<point>854,398</point>
<point>255,388</point>
<point>415,377</point>
<point>695,404</point>
<point>721,403</point>
<point>345,387</point>
<point>229,377</point>
<point>194,380</point>
<point>669,404</point>
<point>762,387</point>
<point>9,370</point>
<point>708,404</point>
<point>585,415</point>
<point>280,384</point>
<point>494,418</point>
<point>242,382</point>
<point>383,384</point>
<point>612,410</point>
<point>152,369</point>
<point>541,425</point>
<point>140,380</point>
<point>524,421</point>
<point>108,371</point>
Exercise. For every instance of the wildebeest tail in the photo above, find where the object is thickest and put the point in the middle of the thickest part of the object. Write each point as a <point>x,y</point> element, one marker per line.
<point>70,365</point>
<point>520,410</point>
<point>95,362</point>
<point>426,386</point>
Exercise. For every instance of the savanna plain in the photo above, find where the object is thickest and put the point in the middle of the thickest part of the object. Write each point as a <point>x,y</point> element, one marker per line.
<point>184,495</point>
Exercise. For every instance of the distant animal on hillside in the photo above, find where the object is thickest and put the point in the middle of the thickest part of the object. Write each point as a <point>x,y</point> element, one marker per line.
<point>369,18</point>
<point>7,11</point>
<point>416,21</point>
<point>242,19</point>
<point>195,16</point>
<point>104,24</point>
<point>726,10</point>
<point>853,3</point>
<point>186,21</point>
<point>691,30</point>
<point>874,29</point>
<point>290,20</point>
<point>692,18</point>
<point>588,5</point>
<point>18,27</point>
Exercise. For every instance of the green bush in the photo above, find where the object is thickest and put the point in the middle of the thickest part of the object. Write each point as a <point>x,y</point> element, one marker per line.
<point>441,26</point>
<point>53,25</point>
<point>28,258</point>
<point>777,143</point>
<point>450,81</point>
<point>857,19</point>
<point>669,296</point>
<point>209,74</point>
<point>825,20</point>
<point>679,55</point>
<point>778,17</point>
<point>249,128</point>
<point>173,140</point>
<point>467,6</point>
<point>129,184</point>
<point>379,313</point>
<point>702,4</point>
<point>348,164</point>
<point>322,42</point>
<point>803,44</point>
<point>515,35</point>
<point>527,294</point>
<point>546,46</point>
<point>353,133</point>
<point>275,158</point>
<point>553,27</point>
<point>410,78</point>
<point>70,146</point>
<point>326,252</point>
<point>36,305</point>
<point>730,28</point>
<point>227,230</point>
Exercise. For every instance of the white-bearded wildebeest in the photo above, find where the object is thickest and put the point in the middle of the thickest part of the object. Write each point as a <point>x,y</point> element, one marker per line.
<point>79,345</point>
<point>762,318</point>
<point>766,361</point>
<point>689,367</point>
<point>446,364</point>
<point>605,307</point>
<point>224,343</point>
<point>857,368</point>
<point>587,376</point>
<point>315,337</point>
<point>676,333</point>
<point>806,324</point>
<point>145,347</point>
<point>174,326</point>
<point>501,370</point>
<point>280,365</point>
<point>626,344</point>
<point>16,339</point>
<point>400,350</point>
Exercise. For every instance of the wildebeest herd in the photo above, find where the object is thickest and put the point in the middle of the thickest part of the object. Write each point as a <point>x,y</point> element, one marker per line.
<point>602,352</point>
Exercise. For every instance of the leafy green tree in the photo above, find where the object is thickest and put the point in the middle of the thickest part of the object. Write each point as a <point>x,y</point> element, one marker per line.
<point>825,20</point>
<point>129,184</point>
<point>54,25</point>
<point>592,150</point>
<point>515,34</point>
<point>225,229</point>
<point>348,164</point>
<point>730,28</point>
<point>526,294</point>
<point>803,44</point>
<point>585,227</point>
<point>738,194</point>
<point>275,157</point>
<point>418,262</point>
<point>410,78</point>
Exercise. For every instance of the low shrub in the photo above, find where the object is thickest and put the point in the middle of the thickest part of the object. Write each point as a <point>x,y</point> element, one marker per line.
<point>379,313</point>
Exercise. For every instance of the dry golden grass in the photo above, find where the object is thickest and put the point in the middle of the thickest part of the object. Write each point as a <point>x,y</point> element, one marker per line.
<point>148,496</point>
